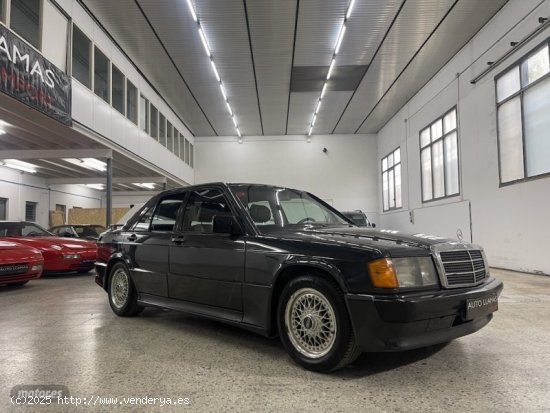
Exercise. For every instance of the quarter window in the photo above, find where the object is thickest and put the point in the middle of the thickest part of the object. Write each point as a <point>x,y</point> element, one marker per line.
<point>439,158</point>
<point>391,180</point>
<point>523,101</point>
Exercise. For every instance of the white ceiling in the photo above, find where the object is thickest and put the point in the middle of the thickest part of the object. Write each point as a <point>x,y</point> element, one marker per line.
<point>393,46</point>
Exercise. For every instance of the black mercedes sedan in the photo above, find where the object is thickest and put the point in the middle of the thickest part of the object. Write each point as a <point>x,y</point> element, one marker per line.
<point>281,261</point>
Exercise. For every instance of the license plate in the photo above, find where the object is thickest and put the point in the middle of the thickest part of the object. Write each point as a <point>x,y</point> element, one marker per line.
<point>477,307</point>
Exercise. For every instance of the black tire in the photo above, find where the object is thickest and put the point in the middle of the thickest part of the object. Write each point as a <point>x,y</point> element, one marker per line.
<point>122,292</point>
<point>339,348</point>
<point>84,271</point>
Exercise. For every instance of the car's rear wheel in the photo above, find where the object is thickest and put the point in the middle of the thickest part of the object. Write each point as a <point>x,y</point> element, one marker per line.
<point>122,293</point>
<point>314,325</point>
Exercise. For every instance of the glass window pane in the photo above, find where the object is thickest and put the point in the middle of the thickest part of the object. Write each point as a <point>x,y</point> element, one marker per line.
<point>117,92</point>
<point>510,141</point>
<point>392,189</point>
<point>191,156</point>
<point>397,172</point>
<point>162,129</point>
<point>25,20</point>
<point>182,147</point>
<point>438,172</point>
<point>131,101</point>
<point>424,137</point>
<point>437,129</point>
<point>81,57</point>
<point>385,190</point>
<point>101,75</point>
<point>384,164</point>
<point>176,142</point>
<point>169,136</point>
<point>449,121</point>
<point>536,107</point>
<point>426,163</point>
<point>143,114</point>
<point>187,152</point>
<point>535,66</point>
<point>508,84</point>
<point>390,160</point>
<point>451,164</point>
<point>154,121</point>
<point>397,156</point>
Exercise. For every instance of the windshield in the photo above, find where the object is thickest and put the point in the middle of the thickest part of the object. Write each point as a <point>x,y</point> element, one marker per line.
<point>22,229</point>
<point>282,207</point>
<point>88,230</point>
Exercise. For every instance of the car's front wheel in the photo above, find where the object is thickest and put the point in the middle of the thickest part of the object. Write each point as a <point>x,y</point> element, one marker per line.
<point>122,293</point>
<point>314,325</point>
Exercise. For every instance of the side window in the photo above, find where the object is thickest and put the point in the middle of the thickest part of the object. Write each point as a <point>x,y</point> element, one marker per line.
<point>201,208</point>
<point>166,214</point>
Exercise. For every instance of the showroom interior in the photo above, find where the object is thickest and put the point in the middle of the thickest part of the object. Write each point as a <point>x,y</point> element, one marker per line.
<point>428,116</point>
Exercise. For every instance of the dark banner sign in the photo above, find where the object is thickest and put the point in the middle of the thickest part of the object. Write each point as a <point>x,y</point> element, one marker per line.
<point>26,76</point>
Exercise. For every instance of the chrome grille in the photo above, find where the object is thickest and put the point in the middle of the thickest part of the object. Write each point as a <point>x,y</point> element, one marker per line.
<point>463,267</point>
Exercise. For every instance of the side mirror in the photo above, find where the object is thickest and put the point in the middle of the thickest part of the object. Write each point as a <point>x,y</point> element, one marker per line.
<point>373,225</point>
<point>226,224</point>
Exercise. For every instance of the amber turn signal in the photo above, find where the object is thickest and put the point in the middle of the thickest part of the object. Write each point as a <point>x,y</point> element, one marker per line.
<point>382,273</point>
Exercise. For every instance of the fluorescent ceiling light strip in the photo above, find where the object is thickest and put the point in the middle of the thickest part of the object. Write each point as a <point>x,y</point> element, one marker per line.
<point>99,187</point>
<point>330,68</point>
<point>204,43</point>
<point>238,132</point>
<point>318,107</point>
<point>310,130</point>
<point>192,10</point>
<point>2,131</point>
<point>323,90</point>
<point>19,165</point>
<point>229,108</point>
<point>234,120</point>
<point>350,8</point>
<point>313,121</point>
<point>223,92</point>
<point>215,70</point>
<point>340,38</point>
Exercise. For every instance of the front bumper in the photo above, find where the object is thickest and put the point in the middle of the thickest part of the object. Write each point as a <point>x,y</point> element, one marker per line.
<point>404,322</point>
<point>56,264</point>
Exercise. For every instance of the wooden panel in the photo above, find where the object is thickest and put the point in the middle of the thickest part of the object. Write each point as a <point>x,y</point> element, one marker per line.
<point>94,215</point>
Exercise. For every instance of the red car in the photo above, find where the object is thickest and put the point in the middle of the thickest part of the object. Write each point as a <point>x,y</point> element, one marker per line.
<point>60,254</point>
<point>19,263</point>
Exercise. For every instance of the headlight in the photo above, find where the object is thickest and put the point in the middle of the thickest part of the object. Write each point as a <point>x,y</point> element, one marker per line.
<point>402,272</point>
<point>71,256</point>
<point>37,267</point>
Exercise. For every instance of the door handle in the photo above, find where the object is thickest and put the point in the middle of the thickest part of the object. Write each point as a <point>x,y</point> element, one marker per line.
<point>132,238</point>
<point>178,239</point>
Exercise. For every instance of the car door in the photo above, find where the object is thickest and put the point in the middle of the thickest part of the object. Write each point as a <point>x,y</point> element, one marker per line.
<point>205,267</point>
<point>147,245</point>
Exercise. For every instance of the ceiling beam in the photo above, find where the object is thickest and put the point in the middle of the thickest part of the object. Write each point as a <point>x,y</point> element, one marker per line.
<point>135,193</point>
<point>101,180</point>
<point>55,154</point>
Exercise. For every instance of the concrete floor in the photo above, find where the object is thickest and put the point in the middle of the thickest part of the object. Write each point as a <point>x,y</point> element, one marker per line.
<point>61,331</point>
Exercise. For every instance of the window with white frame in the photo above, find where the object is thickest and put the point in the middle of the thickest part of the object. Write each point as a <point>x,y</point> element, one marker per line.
<point>439,158</point>
<point>391,180</point>
<point>523,104</point>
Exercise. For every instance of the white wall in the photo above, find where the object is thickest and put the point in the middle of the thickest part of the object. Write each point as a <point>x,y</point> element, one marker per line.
<point>510,222</point>
<point>345,175</point>
<point>20,187</point>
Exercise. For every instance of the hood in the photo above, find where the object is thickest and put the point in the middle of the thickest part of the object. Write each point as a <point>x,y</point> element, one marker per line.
<point>55,243</point>
<point>394,243</point>
<point>13,253</point>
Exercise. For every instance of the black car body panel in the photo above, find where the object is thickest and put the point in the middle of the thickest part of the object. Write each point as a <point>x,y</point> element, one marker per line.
<point>236,277</point>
